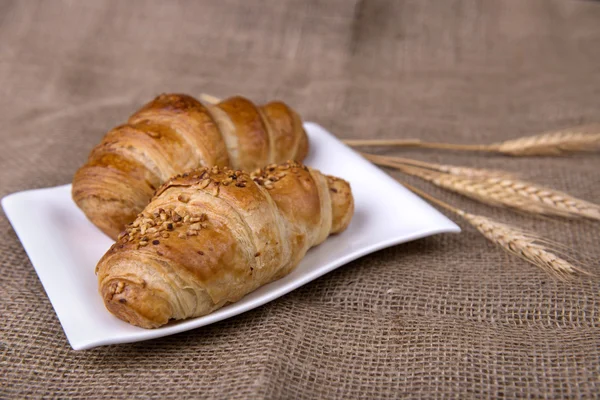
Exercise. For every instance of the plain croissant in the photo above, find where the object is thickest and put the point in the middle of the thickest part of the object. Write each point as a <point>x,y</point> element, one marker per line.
<point>175,133</point>
<point>209,237</point>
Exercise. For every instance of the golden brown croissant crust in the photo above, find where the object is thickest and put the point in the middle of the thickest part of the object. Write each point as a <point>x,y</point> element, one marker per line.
<point>175,133</point>
<point>209,237</point>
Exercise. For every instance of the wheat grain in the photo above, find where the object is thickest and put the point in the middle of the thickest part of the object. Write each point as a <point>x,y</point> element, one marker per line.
<point>525,245</point>
<point>512,193</point>
<point>577,139</point>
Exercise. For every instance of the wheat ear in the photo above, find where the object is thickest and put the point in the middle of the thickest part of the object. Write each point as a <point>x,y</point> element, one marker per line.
<point>525,245</point>
<point>512,193</point>
<point>585,138</point>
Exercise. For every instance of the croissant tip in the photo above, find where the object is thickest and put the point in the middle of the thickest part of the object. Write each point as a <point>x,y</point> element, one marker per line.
<point>136,304</point>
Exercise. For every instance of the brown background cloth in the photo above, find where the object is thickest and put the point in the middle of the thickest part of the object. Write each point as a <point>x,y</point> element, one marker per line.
<point>448,315</point>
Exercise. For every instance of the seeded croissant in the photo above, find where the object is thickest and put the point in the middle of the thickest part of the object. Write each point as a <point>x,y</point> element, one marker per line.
<point>209,237</point>
<point>175,133</point>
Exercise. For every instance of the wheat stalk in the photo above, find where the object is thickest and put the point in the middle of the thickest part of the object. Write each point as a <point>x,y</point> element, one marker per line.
<point>525,245</point>
<point>396,162</point>
<point>584,138</point>
<point>512,193</point>
<point>417,143</point>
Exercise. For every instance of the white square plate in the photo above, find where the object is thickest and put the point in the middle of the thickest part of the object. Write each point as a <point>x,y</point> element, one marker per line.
<point>64,246</point>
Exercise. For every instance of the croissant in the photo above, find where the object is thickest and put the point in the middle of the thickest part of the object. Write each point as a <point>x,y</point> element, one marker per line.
<point>172,134</point>
<point>209,237</point>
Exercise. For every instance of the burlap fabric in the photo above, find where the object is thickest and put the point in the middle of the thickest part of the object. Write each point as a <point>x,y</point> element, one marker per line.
<point>446,316</point>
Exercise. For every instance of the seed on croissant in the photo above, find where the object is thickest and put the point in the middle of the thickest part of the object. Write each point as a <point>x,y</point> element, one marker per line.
<point>204,183</point>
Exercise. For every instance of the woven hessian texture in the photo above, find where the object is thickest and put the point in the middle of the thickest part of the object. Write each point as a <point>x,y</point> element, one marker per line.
<point>448,315</point>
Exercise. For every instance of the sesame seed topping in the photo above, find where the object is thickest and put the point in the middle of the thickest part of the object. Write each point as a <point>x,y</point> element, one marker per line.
<point>204,183</point>
<point>148,221</point>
